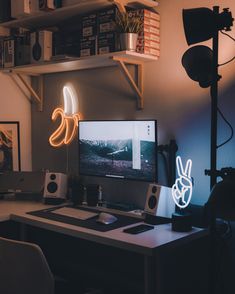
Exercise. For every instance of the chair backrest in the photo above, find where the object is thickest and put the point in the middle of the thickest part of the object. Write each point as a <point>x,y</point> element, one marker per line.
<point>24,269</point>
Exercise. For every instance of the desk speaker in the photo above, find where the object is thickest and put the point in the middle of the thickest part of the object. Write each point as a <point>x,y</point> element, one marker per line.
<point>152,199</point>
<point>55,186</point>
<point>159,201</point>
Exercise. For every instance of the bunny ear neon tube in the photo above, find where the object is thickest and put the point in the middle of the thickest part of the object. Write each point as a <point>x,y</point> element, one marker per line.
<point>69,118</point>
<point>182,194</point>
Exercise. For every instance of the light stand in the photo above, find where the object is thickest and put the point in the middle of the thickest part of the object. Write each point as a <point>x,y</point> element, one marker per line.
<point>214,104</point>
<point>201,24</point>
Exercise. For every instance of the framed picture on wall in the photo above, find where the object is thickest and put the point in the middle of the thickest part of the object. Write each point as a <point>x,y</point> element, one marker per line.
<point>9,146</point>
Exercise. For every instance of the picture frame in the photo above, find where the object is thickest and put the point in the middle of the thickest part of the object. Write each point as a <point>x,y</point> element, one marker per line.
<point>9,146</point>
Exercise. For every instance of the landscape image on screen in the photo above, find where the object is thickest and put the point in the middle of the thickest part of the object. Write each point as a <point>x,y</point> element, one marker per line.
<point>118,149</point>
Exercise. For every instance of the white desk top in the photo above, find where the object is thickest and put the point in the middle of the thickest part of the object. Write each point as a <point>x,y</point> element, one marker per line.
<point>7,207</point>
<point>145,243</point>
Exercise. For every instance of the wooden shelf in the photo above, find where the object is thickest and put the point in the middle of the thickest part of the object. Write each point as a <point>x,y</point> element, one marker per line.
<point>51,18</point>
<point>96,61</point>
<point>121,59</point>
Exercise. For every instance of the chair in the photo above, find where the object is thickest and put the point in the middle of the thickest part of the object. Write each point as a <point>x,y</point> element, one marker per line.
<point>24,269</point>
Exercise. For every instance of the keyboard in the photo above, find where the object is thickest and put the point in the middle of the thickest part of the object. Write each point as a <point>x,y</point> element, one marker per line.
<point>75,213</point>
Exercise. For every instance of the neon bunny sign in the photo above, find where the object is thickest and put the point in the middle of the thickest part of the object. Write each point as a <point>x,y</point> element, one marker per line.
<point>69,117</point>
<point>183,187</point>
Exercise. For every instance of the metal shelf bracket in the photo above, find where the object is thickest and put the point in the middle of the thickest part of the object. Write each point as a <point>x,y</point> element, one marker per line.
<point>136,86</point>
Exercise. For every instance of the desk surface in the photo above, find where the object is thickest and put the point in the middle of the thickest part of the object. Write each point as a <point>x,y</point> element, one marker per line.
<point>145,243</point>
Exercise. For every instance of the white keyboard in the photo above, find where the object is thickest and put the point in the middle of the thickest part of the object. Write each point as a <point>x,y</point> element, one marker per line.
<point>75,213</point>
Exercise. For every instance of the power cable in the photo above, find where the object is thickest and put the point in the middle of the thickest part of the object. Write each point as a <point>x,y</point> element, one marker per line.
<point>230,126</point>
<point>233,58</point>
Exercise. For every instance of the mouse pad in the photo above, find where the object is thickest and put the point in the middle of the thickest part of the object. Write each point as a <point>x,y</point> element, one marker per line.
<point>90,223</point>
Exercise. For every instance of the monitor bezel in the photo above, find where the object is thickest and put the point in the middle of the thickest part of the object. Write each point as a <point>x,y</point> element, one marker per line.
<point>122,178</point>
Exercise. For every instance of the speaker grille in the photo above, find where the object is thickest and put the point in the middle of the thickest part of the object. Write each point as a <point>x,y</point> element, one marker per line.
<point>152,202</point>
<point>52,177</point>
<point>154,189</point>
<point>52,187</point>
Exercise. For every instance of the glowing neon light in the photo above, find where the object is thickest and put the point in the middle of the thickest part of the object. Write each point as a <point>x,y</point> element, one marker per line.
<point>183,187</point>
<point>70,101</point>
<point>69,118</point>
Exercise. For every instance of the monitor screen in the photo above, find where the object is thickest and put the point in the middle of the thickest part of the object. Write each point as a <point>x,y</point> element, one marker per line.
<point>118,149</point>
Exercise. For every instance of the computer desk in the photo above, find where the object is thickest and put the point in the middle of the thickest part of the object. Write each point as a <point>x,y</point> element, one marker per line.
<point>149,244</point>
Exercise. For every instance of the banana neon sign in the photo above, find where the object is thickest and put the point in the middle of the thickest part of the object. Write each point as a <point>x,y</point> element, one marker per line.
<point>69,118</point>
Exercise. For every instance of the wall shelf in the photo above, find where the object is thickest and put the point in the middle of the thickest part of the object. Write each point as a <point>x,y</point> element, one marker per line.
<point>45,19</point>
<point>71,64</point>
<point>121,59</point>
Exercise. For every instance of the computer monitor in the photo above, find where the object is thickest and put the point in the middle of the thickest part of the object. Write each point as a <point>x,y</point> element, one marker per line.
<point>123,149</point>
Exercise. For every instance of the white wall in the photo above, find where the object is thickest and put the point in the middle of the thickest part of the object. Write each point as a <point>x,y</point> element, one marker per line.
<point>14,106</point>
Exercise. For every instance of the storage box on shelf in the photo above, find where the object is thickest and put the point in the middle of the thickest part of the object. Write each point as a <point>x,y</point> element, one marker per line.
<point>107,36</point>
<point>25,8</point>
<point>8,52</point>
<point>88,46</point>
<point>22,49</point>
<point>89,25</point>
<point>88,37</point>
<point>66,39</point>
<point>106,19</point>
<point>107,42</point>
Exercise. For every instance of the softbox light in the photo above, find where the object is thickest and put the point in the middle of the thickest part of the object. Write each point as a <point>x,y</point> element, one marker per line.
<point>200,24</point>
<point>198,63</point>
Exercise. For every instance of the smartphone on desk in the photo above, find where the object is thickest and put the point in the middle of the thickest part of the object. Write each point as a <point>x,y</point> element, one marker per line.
<point>138,229</point>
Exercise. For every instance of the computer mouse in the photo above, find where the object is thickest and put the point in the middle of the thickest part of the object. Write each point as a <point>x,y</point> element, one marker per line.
<point>106,218</point>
